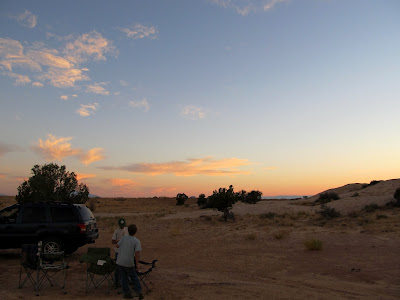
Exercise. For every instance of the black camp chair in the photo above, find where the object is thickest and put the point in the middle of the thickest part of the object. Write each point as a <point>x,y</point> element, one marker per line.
<point>143,275</point>
<point>99,268</point>
<point>42,269</point>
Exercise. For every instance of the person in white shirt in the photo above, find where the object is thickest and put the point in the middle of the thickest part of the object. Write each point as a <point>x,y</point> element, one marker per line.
<point>121,231</point>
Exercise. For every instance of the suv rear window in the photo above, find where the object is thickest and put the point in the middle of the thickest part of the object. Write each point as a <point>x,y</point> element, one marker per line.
<point>85,212</point>
<point>63,214</point>
<point>35,214</point>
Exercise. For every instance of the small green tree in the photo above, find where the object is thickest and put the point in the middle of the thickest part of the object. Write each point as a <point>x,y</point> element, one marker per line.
<point>223,200</point>
<point>201,201</point>
<point>52,183</point>
<point>181,198</point>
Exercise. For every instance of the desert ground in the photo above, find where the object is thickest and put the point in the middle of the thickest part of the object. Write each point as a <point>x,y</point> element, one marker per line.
<point>261,255</point>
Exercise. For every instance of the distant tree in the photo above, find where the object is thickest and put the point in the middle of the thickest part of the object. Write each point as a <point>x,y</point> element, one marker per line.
<point>201,201</point>
<point>52,183</point>
<point>223,200</point>
<point>181,198</point>
<point>253,197</point>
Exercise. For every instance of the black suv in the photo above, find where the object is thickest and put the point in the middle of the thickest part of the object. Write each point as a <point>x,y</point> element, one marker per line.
<point>59,226</point>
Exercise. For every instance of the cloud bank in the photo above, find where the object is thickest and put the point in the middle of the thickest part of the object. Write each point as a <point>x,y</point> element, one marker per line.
<point>191,167</point>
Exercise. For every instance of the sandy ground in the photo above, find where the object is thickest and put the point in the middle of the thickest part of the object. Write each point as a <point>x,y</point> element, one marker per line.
<point>255,257</point>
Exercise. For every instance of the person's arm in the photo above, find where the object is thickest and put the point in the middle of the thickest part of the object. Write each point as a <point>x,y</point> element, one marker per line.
<point>137,255</point>
<point>114,238</point>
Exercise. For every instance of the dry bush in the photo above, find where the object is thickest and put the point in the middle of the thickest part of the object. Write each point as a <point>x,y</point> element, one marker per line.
<point>313,244</point>
<point>280,234</point>
<point>251,236</point>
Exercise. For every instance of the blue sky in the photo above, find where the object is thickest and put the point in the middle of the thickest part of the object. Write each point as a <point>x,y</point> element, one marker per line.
<point>153,98</point>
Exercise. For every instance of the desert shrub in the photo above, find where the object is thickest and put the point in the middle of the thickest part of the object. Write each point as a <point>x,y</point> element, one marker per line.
<point>52,183</point>
<point>353,214</point>
<point>327,197</point>
<point>201,201</point>
<point>371,207</point>
<point>381,217</point>
<point>181,198</point>
<point>373,182</point>
<point>223,200</point>
<point>268,215</point>
<point>279,235</point>
<point>328,212</point>
<point>251,236</point>
<point>355,195</point>
<point>253,197</point>
<point>313,244</point>
<point>396,196</point>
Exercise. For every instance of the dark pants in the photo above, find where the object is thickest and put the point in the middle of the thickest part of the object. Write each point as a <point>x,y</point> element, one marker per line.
<point>117,282</point>
<point>129,275</point>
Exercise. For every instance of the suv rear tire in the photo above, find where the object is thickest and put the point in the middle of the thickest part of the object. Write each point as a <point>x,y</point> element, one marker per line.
<point>52,244</point>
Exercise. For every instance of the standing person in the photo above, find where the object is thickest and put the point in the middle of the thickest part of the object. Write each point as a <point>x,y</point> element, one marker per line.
<point>117,236</point>
<point>128,262</point>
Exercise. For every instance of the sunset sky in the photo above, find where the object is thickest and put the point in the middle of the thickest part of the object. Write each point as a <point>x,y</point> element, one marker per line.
<point>154,98</point>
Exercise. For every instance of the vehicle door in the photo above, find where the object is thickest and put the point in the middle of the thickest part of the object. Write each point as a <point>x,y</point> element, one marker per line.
<point>33,219</point>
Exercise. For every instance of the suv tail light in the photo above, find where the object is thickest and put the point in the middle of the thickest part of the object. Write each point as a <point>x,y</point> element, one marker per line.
<point>82,228</point>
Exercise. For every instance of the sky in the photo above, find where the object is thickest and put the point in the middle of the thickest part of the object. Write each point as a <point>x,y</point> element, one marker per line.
<point>155,98</point>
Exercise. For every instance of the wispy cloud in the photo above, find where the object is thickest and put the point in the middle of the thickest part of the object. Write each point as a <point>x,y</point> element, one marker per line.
<point>6,148</point>
<point>27,19</point>
<point>250,6</point>
<point>59,67</point>
<point>48,59</point>
<point>123,83</point>
<point>93,155</point>
<point>64,97</point>
<point>82,176</point>
<point>121,182</point>
<point>87,46</point>
<point>191,167</point>
<point>271,168</point>
<point>140,31</point>
<point>63,78</point>
<point>144,104</point>
<point>12,56</point>
<point>193,112</point>
<point>37,84</point>
<point>87,109</point>
<point>58,148</point>
<point>97,88</point>
<point>19,79</point>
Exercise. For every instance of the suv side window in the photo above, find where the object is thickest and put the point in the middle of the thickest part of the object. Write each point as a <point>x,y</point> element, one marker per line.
<point>63,214</point>
<point>34,214</point>
<point>9,215</point>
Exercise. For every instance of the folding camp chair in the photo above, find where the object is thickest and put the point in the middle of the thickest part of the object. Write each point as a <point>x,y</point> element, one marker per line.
<point>99,268</point>
<point>29,264</point>
<point>142,275</point>
<point>50,268</point>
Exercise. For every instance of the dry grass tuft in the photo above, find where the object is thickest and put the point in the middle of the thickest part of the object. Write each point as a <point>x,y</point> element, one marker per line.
<point>313,244</point>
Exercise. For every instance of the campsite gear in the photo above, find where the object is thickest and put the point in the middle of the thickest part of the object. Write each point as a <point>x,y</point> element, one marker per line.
<point>42,269</point>
<point>99,268</point>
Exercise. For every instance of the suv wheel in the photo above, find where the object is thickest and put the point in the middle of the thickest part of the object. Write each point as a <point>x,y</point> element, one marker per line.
<point>52,244</point>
